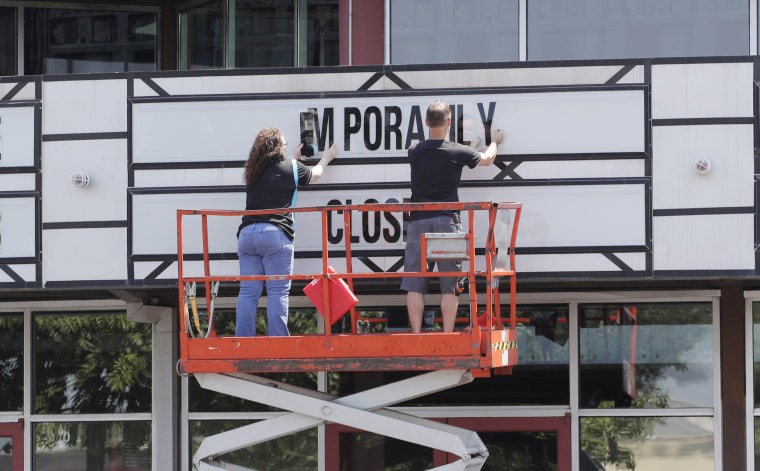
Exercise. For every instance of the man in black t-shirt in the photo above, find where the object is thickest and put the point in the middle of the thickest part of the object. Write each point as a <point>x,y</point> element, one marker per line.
<point>436,169</point>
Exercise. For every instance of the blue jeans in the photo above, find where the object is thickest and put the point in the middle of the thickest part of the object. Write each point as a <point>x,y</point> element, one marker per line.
<point>263,249</point>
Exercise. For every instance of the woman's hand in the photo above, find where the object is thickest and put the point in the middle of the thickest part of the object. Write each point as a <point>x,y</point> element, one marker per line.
<point>329,154</point>
<point>297,152</point>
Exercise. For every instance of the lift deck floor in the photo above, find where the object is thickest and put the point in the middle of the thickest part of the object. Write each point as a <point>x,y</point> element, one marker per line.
<point>479,350</point>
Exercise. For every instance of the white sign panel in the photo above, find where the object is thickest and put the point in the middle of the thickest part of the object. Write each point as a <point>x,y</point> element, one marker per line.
<point>559,216</point>
<point>557,122</point>
<point>17,227</point>
<point>17,136</point>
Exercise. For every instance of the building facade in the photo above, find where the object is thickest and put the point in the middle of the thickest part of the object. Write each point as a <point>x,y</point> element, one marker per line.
<point>631,140</point>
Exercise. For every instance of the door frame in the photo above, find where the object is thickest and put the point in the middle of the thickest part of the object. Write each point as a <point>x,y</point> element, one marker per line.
<point>15,430</point>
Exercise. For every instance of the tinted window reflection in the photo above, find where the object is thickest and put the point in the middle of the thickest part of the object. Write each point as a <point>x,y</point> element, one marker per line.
<point>294,452</point>
<point>264,33</point>
<point>603,29</point>
<point>11,362</point>
<point>322,47</point>
<point>60,41</point>
<point>520,451</point>
<point>541,376</point>
<point>371,452</point>
<point>617,443</point>
<point>8,43</point>
<point>440,31</point>
<point>646,355</point>
<point>202,37</point>
<point>91,363</point>
<point>6,453</point>
<point>92,445</point>
<point>756,350</point>
<point>205,400</point>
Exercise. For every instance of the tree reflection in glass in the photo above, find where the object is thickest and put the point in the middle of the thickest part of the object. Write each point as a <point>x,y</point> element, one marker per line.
<point>646,355</point>
<point>11,362</point>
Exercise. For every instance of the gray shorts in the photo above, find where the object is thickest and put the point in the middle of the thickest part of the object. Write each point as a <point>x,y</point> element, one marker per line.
<point>413,257</point>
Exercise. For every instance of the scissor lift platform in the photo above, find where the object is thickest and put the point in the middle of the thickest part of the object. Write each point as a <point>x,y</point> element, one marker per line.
<point>487,345</point>
<point>353,352</point>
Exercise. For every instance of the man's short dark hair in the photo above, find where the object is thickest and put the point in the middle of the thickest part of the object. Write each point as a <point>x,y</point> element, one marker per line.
<point>438,113</point>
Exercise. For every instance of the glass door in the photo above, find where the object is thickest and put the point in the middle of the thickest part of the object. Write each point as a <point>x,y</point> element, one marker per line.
<point>12,446</point>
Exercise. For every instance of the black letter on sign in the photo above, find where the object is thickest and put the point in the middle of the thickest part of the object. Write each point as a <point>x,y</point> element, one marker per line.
<point>372,110</point>
<point>365,224</point>
<point>392,125</point>
<point>349,113</point>
<point>326,133</point>
<point>334,239</point>
<point>415,130</point>
<point>487,119</point>
<point>391,218</point>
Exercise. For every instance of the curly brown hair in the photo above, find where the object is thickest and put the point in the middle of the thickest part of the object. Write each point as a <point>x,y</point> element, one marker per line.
<point>268,146</point>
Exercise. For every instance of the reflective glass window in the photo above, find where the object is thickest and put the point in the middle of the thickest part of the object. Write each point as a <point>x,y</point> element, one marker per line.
<point>321,23</point>
<point>61,41</point>
<point>6,453</point>
<point>364,451</point>
<point>756,351</point>
<point>646,355</point>
<point>756,375</point>
<point>542,376</point>
<point>441,31</point>
<point>757,442</point>
<point>604,29</point>
<point>627,443</point>
<point>11,362</point>
<point>294,452</point>
<point>204,400</point>
<point>202,36</point>
<point>91,363</point>
<point>8,42</point>
<point>264,33</point>
<point>254,33</point>
<point>92,445</point>
<point>516,451</point>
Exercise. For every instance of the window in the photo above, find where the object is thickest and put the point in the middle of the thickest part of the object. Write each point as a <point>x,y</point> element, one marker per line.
<point>207,401</point>
<point>92,445</point>
<point>91,363</point>
<point>246,33</point>
<point>61,41</point>
<point>8,41</point>
<point>294,452</point>
<point>542,377</point>
<point>756,379</point>
<point>601,29</point>
<point>434,31</point>
<point>11,362</point>
<point>646,356</point>
<point>202,40</point>
<point>628,443</point>
<point>654,358</point>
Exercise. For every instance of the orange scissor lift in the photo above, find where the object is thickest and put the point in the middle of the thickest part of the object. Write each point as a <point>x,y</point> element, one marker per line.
<point>488,345</point>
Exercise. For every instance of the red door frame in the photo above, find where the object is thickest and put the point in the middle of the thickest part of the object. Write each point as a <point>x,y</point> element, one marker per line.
<point>560,425</point>
<point>15,430</point>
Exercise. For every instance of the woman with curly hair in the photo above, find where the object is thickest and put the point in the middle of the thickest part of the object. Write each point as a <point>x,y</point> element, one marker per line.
<point>265,242</point>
